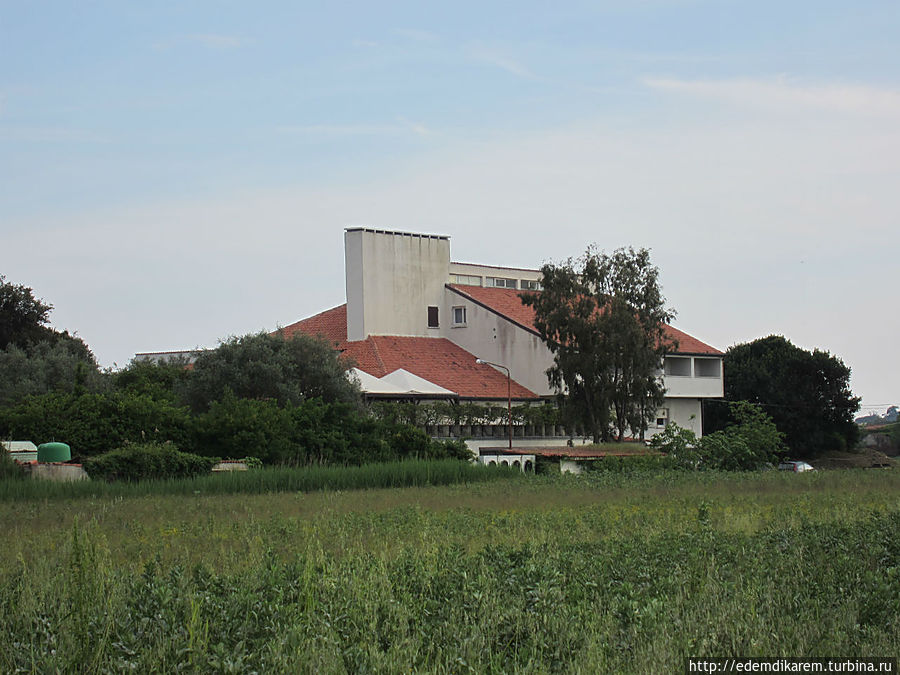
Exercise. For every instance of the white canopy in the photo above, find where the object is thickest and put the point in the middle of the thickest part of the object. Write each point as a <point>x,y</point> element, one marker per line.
<point>400,383</point>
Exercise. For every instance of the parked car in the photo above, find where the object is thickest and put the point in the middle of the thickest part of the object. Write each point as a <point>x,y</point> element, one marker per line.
<point>796,467</point>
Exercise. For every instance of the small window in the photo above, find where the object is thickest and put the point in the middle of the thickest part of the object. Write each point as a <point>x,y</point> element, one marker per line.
<point>678,366</point>
<point>660,422</point>
<point>459,316</point>
<point>499,282</point>
<point>433,317</point>
<point>530,285</point>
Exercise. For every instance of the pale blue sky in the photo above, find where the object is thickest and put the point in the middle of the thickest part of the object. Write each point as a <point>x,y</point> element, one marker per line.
<point>174,173</point>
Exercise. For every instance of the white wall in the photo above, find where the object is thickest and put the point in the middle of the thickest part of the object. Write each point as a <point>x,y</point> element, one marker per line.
<point>493,338</point>
<point>392,278</point>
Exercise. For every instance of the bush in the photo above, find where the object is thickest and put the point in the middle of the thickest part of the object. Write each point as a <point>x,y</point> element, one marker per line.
<point>95,423</point>
<point>148,461</point>
<point>679,444</point>
<point>749,443</point>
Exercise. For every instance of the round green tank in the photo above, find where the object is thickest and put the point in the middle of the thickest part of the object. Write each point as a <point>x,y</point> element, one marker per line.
<point>54,452</point>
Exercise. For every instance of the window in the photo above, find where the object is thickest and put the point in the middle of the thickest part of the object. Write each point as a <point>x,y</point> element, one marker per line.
<point>501,283</point>
<point>529,285</point>
<point>678,366</point>
<point>433,317</point>
<point>707,367</point>
<point>660,422</point>
<point>465,279</point>
<point>459,316</point>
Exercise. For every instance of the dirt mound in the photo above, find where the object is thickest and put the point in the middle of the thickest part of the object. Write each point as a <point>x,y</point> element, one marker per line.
<point>867,458</point>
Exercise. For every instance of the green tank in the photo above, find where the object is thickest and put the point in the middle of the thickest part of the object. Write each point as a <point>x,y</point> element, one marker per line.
<point>54,452</point>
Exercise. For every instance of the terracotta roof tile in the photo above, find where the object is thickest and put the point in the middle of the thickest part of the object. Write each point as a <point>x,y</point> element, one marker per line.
<point>330,324</point>
<point>437,360</point>
<point>506,303</point>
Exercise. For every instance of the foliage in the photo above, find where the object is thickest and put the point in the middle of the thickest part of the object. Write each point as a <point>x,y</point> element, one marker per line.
<point>60,365</point>
<point>681,444</point>
<point>748,443</point>
<point>94,423</point>
<point>807,394</point>
<point>23,318</point>
<point>633,463</point>
<point>311,432</point>
<point>147,461</point>
<point>34,358</point>
<point>263,366</point>
<point>158,380</point>
<point>634,581</point>
<point>603,318</point>
<point>271,480</point>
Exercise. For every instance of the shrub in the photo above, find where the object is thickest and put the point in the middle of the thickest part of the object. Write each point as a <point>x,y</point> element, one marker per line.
<point>148,461</point>
<point>749,443</point>
<point>95,423</point>
<point>680,444</point>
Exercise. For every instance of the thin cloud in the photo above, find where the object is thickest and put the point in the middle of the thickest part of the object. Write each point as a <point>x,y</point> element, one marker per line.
<point>417,35</point>
<point>49,135</point>
<point>783,94</point>
<point>206,40</point>
<point>334,131</point>
<point>499,60</point>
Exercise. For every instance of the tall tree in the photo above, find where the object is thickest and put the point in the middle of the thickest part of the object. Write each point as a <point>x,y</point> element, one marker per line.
<point>603,318</point>
<point>23,318</point>
<point>807,393</point>
<point>34,358</point>
<point>262,366</point>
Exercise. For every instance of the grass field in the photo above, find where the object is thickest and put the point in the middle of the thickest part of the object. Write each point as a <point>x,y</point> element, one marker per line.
<point>603,573</point>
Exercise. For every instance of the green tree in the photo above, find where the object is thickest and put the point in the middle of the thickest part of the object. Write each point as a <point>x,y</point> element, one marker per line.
<point>262,366</point>
<point>806,393</point>
<point>158,380</point>
<point>93,423</point>
<point>62,365</point>
<point>34,358</point>
<point>603,318</point>
<point>23,318</point>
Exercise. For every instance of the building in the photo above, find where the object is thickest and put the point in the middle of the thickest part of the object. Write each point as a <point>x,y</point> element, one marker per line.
<point>415,322</point>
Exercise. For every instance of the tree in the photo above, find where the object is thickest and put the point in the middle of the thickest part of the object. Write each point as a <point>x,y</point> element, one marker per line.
<point>34,358</point>
<point>603,318</point>
<point>262,366</point>
<point>23,318</point>
<point>807,394</point>
<point>47,366</point>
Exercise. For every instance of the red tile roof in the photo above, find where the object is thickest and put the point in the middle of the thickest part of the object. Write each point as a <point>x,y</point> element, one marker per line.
<point>437,360</point>
<point>506,303</point>
<point>330,324</point>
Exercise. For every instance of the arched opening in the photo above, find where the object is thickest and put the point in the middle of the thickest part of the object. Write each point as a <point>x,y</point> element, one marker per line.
<point>492,463</point>
<point>517,464</point>
<point>529,467</point>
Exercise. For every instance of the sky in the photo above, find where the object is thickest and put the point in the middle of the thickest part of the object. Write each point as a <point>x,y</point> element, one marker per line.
<point>175,173</point>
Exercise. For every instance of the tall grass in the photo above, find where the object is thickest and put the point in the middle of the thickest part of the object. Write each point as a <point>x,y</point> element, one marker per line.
<point>409,473</point>
<point>626,603</point>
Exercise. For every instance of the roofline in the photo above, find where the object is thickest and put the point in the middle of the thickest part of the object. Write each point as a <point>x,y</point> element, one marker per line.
<point>373,230</point>
<point>491,309</point>
<point>495,267</point>
<point>534,332</point>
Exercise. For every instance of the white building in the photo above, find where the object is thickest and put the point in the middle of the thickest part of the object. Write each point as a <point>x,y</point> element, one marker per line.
<point>410,308</point>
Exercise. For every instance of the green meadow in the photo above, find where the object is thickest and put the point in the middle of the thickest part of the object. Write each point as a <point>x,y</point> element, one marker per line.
<point>539,574</point>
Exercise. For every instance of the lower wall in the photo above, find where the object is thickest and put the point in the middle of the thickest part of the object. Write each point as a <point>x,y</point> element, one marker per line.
<point>59,472</point>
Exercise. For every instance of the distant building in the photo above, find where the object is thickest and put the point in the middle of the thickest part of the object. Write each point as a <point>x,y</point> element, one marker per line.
<point>415,322</point>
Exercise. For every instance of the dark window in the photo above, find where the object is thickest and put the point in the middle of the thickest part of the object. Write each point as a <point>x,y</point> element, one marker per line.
<point>433,317</point>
